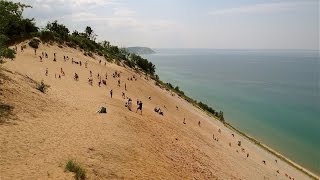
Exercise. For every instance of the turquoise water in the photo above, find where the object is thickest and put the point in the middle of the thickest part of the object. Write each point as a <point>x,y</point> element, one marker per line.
<point>272,95</point>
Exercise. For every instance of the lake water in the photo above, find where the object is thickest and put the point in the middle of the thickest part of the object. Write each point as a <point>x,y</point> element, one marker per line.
<point>272,95</point>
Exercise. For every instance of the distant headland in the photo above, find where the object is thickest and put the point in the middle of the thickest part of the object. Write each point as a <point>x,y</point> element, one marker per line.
<point>140,50</point>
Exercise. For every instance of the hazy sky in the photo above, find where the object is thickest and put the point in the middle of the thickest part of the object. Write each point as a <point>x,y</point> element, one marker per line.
<point>189,23</point>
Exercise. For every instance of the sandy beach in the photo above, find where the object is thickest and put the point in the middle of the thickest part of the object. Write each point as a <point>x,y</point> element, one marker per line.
<point>48,129</point>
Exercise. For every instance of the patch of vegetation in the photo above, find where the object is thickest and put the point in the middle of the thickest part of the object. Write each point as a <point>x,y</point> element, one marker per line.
<point>205,107</point>
<point>73,166</point>
<point>5,112</point>
<point>42,87</point>
<point>34,43</point>
<point>7,53</point>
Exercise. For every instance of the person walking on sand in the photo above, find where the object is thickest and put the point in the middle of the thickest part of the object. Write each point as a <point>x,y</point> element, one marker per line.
<point>86,64</point>
<point>139,107</point>
<point>111,93</point>
<point>130,104</point>
<point>46,71</point>
<point>125,86</point>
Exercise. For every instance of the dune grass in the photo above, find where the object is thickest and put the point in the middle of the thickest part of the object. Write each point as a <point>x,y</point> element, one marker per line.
<point>73,166</point>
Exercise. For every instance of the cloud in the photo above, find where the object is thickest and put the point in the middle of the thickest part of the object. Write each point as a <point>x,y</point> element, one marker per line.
<point>123,11</point>
<point>262,8</point>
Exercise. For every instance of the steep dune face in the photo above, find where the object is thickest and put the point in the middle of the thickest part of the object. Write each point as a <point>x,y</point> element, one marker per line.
<point>49,129</point>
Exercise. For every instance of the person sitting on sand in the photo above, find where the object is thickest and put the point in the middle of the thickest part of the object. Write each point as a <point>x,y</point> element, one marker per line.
<point>46,55</point>
<point>158,110</point>
<point>139,107</point>
<point>76,77</point>
<point>90,81</point>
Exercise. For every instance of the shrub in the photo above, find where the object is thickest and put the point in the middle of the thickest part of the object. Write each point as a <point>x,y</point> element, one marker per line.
<point>90,54</point>
<point>42,87</point>
<point>47,36</point>
<point>5,112</point>
<point>72,44</point>
<point>72,166</point>
<point>100,53</point>
<point>34,43</point>
<point>7,53</point>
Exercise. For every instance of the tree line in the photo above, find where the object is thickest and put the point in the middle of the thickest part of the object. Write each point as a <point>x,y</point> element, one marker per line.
<point>15,28</point>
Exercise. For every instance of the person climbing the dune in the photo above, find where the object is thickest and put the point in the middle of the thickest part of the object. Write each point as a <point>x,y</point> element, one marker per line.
<point>139,107</point>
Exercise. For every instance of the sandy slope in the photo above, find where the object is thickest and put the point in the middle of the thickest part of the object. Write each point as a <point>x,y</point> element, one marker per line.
<point>49,129</point>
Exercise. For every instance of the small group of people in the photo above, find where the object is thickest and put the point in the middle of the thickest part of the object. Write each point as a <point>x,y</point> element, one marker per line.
<point>132,78</point>
<point>43,55</point>
<point>116,74</point>
<point>129,105</point>
<point>76,62</point>
<point>158,110</point>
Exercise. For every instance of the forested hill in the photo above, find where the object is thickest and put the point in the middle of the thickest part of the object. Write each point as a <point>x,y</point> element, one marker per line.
<point>140,50</point>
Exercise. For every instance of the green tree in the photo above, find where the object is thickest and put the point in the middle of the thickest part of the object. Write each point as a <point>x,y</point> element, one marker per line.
<point>12,24</point>
<point>61,30</point>
<point>88,31</point>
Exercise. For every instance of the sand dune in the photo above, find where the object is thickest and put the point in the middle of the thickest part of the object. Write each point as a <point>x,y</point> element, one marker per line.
<point>49,129</point>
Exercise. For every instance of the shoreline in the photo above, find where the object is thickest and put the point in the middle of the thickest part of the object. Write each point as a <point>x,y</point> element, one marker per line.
<point>261,145</point>
<point>195,103</point>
